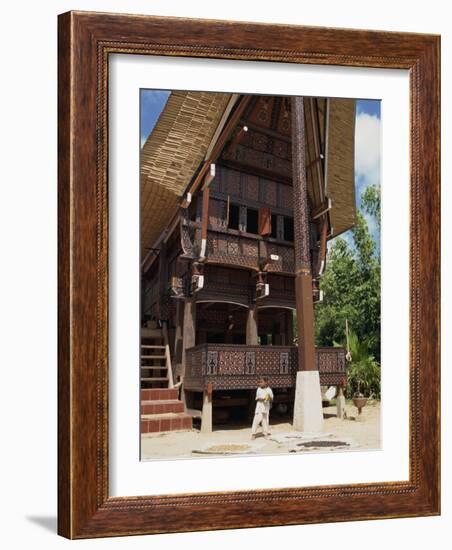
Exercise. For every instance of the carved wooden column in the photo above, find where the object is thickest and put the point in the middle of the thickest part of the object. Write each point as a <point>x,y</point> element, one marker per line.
<point>303,277</point>
<point>251,326</point>
<point>188,341</point>
<point>178,336</point>
<point>189,328</point>
<point>308,415</point>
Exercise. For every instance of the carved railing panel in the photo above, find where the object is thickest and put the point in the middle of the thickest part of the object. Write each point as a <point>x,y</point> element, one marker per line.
<point>232,250</point>
<point>228,366</point>
<point>189,236</point>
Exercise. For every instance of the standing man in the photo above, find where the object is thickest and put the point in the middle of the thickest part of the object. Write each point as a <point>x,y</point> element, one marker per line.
<point>264,398</point>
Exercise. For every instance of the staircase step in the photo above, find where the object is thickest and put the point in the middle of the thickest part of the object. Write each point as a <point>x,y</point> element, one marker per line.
<point>154,379</point>
<point>158,394</point>
<point>152,347</point>
<point>162,406</point>
<point>153,357</point>
<point>151,333</point>
<point>154,367</point>
<point>152,423</point>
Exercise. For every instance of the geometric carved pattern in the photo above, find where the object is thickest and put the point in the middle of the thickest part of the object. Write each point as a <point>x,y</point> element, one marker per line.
<point>252,188</point>
<point>271,193</point>
<point>284,362</point>
<point>229,366</point>
<point>212,362</point>
<point>285,196</point>
<point>300,191</point>
<point>188,238</point>
<point>285,263</point>
<point>232,250</point>
<point>250,362</point>
<point>261,159</point>
<point>231,362</point>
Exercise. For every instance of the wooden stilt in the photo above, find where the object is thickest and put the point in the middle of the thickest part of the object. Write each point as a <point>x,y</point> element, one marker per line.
<point>206,418</point>
<point>189,329</point>
<point>251,326</point>
<point>178,337</point>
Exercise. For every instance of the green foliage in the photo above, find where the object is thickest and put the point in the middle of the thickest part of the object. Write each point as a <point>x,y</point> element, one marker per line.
<point>363,373</point>
<point>371,202</point>
<point>351,289</point>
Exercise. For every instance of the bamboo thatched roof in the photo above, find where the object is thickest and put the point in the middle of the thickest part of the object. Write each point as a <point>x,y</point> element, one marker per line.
<point>340,164</point>
<point>172,154</point>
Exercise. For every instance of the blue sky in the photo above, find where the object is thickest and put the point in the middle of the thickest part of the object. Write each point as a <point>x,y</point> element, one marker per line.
<point>151,105</point>
<point>367,141</point>
<point>367,154</point>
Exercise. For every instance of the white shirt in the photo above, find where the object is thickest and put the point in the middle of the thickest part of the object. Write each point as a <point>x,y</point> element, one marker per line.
<point>263,406</point>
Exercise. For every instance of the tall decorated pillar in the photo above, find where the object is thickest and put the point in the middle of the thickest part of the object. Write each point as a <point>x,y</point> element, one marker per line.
<point>308,415</point>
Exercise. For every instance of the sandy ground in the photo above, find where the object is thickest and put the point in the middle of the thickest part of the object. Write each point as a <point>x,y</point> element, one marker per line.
<point>355,432</point>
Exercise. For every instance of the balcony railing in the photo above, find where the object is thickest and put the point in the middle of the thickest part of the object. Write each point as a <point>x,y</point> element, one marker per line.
<point>237,248</point>
<point>228,366</point>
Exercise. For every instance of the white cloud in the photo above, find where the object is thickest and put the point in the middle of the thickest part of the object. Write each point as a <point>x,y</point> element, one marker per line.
<point>367,148</point>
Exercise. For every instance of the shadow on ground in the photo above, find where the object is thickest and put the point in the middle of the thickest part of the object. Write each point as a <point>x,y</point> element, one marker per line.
<point>49,523</point>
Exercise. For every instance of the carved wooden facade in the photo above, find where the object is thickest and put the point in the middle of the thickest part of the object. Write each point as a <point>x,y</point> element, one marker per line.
<point>230,250</point>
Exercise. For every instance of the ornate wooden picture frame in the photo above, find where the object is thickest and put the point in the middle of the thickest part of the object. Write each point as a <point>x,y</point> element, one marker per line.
<point>86,40</point>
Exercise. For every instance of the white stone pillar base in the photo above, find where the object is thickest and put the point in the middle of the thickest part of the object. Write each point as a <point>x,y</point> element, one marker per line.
<point>307,411</point>
<point>206,418</point>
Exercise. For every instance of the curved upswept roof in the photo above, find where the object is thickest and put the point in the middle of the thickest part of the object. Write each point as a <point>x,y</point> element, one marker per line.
<point>181,138</point>
<point>172,154</point>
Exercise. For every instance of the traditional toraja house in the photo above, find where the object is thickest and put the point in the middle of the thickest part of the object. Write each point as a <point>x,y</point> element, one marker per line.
<point>239,196</point>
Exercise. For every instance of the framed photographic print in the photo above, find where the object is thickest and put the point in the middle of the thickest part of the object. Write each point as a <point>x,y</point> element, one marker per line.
<point>248,275</point>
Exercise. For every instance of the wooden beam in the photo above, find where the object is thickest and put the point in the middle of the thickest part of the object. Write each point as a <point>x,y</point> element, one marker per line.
<point>239,132</point>
<point>266,131</point>
<point>189,330</point>
<point>303,276</point>
<point>321,209</point>
<point>210,176</point>
<point>256,171</point>
<point>322,251</point>
<point>204,222</point>
<point>251,326</point>
<point>317,146</point>
<point>224,136</point>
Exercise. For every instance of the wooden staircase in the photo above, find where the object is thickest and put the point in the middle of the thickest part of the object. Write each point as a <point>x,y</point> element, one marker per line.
<point>161,408</point>
<point>155,360</point>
